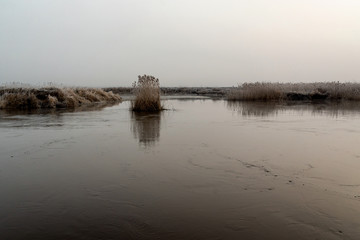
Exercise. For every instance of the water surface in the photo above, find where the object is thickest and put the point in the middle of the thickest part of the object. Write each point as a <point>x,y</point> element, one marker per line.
<point>203,169</point>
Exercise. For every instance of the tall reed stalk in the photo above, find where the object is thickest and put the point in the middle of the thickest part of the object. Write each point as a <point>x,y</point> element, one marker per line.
<point>147,95</point>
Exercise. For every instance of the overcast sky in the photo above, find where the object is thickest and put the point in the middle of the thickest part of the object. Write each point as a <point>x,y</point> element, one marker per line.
<point>182,42</point>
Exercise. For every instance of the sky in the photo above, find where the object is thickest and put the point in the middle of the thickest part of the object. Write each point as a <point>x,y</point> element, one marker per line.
<point>195,43</point>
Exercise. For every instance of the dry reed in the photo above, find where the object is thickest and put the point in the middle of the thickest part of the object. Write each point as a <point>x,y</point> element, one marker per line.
<point>52,97</point>
<point>147,95</point>
<point>262,91</point>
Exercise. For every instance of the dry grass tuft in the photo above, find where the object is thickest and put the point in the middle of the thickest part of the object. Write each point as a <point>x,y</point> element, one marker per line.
<point>52,97</point>
<point>256,91</point>
<point>261,91</point>
<point>147,95</point>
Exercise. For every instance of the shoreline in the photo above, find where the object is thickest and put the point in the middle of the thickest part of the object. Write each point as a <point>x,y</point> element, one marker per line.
<point>66,97</point>
<point>199,91</point>
<point>53,97</point>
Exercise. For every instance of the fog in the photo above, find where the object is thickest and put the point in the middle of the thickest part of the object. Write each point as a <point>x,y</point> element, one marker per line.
<point>183,43</point>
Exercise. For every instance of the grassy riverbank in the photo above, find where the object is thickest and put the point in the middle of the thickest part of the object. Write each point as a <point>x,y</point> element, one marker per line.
<point>52,97</point>
<point>262,91</point>
<point>193,91</point>
<point>63,97</point>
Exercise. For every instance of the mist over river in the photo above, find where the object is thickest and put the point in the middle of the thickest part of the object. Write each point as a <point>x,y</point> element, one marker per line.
<point>202,169</point>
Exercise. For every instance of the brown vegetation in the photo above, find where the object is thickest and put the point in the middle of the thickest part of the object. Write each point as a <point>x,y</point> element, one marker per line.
<point>261,91</point>
<point>52,97</point>
<point>147,95</point>
<point>191,91</point>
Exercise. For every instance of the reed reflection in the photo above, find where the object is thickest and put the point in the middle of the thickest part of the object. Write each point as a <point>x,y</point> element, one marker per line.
<point>83,108</point>
<point>265,109</point>
<point>146,127</point>
<point>43,117</point>
<point>257,109</point>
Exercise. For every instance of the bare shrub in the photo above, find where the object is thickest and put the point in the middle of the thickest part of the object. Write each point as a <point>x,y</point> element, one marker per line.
<point>147,95</point>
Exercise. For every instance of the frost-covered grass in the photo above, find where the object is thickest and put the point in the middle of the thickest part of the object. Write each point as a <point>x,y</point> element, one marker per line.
<point>265,91</point>
<point>147,95</point>
<point>27,97</point>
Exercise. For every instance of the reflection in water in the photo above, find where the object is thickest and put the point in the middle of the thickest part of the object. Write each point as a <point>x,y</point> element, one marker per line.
<point>257,109</point>
<point>83,108</point>
<point>146,127</point>
<point>263,109</point>
<point>43,117</point>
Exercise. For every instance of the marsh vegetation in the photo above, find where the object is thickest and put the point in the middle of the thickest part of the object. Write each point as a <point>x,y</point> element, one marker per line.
<point>147,95</point>
<point>52,97</point>
<point>266,91</point>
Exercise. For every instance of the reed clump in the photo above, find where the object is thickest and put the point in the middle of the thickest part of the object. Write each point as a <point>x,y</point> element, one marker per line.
<point>147,95</point>
<point>52,97</point>
<point>263,91</point>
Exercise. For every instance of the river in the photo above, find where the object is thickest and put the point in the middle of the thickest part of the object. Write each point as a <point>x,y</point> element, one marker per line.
<point>202,169</point>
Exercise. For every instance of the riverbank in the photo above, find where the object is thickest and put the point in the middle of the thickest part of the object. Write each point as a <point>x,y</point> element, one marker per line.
<point>319,91</point>
<point>266,91</point>
<point>53,97</point>
<point>195,91</point>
